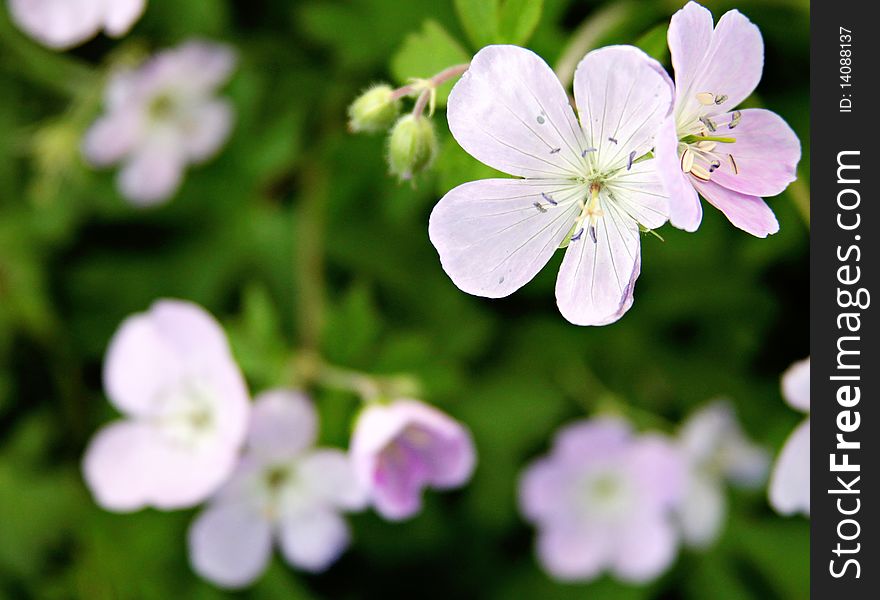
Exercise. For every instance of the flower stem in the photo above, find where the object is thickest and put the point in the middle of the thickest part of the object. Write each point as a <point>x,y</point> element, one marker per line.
<point>419,85</point>
<point>312,370</point>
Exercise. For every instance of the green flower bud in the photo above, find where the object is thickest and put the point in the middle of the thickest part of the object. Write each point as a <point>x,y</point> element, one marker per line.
<point>374,110</point>
<point>412,146</point>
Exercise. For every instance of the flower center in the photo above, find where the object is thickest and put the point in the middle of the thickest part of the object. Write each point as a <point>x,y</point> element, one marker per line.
<point>705,138</point>
<point>187,415</point>
<point>161,107</point>
<point>605,495</point>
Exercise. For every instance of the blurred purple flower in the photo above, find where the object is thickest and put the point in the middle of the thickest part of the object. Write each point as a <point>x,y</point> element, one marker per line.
<point>400,448</point>
<point>753,153</point>
<point>790,480</point>
<point>584,186</point>
<point>717,451</point>
<point>162,117</point>
<point>62,24</point>
<point>283,488</point>
<point>171,373</point>
<point>604,499</point>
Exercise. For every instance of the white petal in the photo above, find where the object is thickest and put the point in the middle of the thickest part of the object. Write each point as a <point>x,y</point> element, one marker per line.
<point>645,548</point>
<point>491,236</point>
<point>112,136</point>
<point>573,553</point>
<point>640,194</point>
<point>152,174</point>
<point>702,511</point>
<point>623,96</point>
<point>207,129</point>
<point>230,545</point>
<point>510,112</point>
<point>120,15</point>
<point>689,35</point>
<point>685,209</point>
<point>796,385</point>
<point>790,480</point>
<point>329,475</point>
<point>596,279</point>
<point>283,424</point>
<point>58,23</point>
<point>313,542</point>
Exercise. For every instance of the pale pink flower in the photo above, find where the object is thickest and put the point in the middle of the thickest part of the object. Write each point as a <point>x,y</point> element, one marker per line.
<point>731,157</point>
<point>790,480</point>
<point>604,499</point>
<point>402,447</point>
<point>185,405</point>
<point>583,183</point>
<point>717,451</point>
<point>162,117</point>
<point>62,24</point>
<point>284,490</point>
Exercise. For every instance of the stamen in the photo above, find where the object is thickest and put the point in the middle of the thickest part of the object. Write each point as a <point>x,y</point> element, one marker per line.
<point>555,150</point>
<point>549,199</point>
<point>585,152</point>
<point>540,207</point>
<point>578,235</point>
<point>708,123</point>
<point>705,98</point>
<point>706,145</point>
<point>612,140</point>
<point>714,165</point>
<point>735,118</point>
<point>593,234</point>
<point>629,160</point>
<point>700,173</point>
<point>721,99</point>
<point>733,164</point>
<point>687,160</point>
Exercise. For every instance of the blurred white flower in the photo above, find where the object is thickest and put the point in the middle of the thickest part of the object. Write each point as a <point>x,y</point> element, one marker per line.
<point>171,373</point>
<point>605,499</point>
<point>717,451</point>
<point>790,480</point>
<point>283,488</point>
<point>62,24</point>
<point>161,117</point>
<point>401,448</point>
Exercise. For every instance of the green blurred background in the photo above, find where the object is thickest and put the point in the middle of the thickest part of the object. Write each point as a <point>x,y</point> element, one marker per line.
<point>296,236</point>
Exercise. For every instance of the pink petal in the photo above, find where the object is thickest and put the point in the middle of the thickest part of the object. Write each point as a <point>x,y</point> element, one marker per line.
<point>749,213</point>
<point>766,151</point>
<point>152,174</point>
<point>313,542</point>
<point>790,481</point>
<point>208,129</point>
<point>593,440</point>
<point>120,15</point>
<point>329,475</point>
<point>510,112</point>
<point>731,65</point>
<point>230,545</point>
<point>703,510</point>
<point>660,470</point>
<point>58,24</point>
<point>623,96</point>
<point>191,330</point>
<point>685,210</point>
<point>491,237</point>
<point>640,194</point>
<point>596,279</point>
<point>113,136</point>
<point>796,385</point>
<point>645,548</point>
<point>573,553</point>
<point>283,424</point>
<point>202,66</point>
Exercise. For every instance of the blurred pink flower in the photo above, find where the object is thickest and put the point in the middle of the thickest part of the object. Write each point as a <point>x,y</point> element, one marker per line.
<point>161,117</point>
<point>400,448</point>
<point>584,186</point>
<point>790,480</point>
<point>748,153</point>
<point>61,24</point>
<point>604,499</point>
<point>171,373</point>
<point>284,489</point>
<point>717,451</point>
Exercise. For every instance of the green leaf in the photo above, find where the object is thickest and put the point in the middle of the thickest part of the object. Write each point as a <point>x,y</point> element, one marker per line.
<point>517,20</point>
<point>480,20</point>
<point>426,53</point>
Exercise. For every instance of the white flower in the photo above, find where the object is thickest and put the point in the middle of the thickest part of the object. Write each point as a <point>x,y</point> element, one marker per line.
<point>717,451</point>
<point>61,24</point>
<point>583,183</point>
<point>161,117</point>
<point>283,489</point>
<point>171,373</point>
<point>790,481</point>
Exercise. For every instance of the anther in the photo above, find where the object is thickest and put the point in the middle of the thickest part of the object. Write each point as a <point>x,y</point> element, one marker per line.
<point>735,118</point>
<point>549,199</point>
<point>578,235</point>
<point>714,165</point>
<point>687,160</point>
<point>612,140</point>
<point>587,151</point>
<point>708,123</point>
<point>593,234</point>
<point>706,145</point>
<point>706,98</point>
<point>540,120</point>
<point>700,173</point>
<point>540,207</point>
<point>629,160</point>
<point>555,150</point>
<point>721,99</point>
<point>733,164</point>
